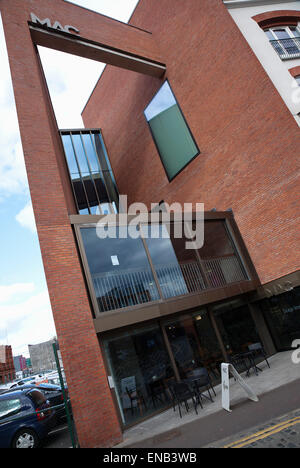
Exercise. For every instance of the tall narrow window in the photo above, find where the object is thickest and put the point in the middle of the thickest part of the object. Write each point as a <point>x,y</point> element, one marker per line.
<point>91,175</point>
<point>170,131</point>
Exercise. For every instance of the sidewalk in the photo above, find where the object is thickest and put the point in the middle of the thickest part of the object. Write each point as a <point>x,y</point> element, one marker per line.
<point>282,372</point>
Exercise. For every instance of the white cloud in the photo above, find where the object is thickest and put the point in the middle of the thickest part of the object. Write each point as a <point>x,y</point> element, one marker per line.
<point>14,291</point>
<point>26,218</point>
<point>26,322</point>
<point>13,179</point>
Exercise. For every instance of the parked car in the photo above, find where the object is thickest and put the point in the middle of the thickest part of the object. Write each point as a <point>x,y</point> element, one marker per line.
<point>53,394</point>
<point>25,418</point>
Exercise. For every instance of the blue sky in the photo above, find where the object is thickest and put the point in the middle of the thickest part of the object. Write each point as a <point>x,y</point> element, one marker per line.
<point>25,311</point>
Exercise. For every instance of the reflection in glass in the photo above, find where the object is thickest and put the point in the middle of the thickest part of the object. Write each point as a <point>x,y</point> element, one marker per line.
<point>141,371</point>
<point>119,269</point>
<point>177,269</point>
<point>219,260</point>
<point>194,345</point>
<point>237,328</point>
<point>171,134</point>
<point>282,314</point>
<point>173,271</point>
<point>90,171</point>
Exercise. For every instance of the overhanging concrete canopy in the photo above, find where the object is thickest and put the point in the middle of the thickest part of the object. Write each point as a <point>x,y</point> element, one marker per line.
<point>91,35</point>
<point>82,47</point>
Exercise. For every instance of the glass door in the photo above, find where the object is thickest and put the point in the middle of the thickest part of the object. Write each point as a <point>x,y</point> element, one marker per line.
<point>194,344</point>
<point>237,328</point>
<point>141,372</point>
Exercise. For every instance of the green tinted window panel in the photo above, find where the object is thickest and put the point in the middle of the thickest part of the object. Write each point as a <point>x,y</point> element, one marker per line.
<point>170,131</point>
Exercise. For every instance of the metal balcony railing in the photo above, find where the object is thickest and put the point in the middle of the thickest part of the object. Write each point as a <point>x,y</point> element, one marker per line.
<point>287,48</point>
<point>133,287</point>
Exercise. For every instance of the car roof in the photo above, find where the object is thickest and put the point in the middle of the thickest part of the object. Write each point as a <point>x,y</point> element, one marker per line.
<point>30,386</point>
<point>9,394</point>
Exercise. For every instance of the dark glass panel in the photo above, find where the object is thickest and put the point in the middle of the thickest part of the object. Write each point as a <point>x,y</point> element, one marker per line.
<point>282,314</point>
<point>219,260</point>
<point>91,153</point>
<point>141,371</point>
<point>176,267</point>
<point>80,154</point>
<point>69,151</point>
<point>170,131</point>
<point>194,345</point>
<point>101,152</point>
<point>119,268</point>
<point>237,328</point>
<point>80,195</point>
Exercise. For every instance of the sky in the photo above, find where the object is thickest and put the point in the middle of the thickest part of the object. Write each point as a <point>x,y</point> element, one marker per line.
<point>25,310</point>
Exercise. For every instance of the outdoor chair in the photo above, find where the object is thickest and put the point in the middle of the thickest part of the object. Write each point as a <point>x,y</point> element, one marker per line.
<point>258,351</point>
<point>136,396</point>
<point>181,393</point>
<point>201,379</point>
<point>239,363</point>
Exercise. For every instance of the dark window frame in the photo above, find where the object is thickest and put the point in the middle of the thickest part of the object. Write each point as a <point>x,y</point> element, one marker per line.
<point>188,127</point>
<point>91,131</point>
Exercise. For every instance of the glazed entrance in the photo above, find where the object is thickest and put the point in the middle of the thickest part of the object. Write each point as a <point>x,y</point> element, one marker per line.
<point>144,361</point>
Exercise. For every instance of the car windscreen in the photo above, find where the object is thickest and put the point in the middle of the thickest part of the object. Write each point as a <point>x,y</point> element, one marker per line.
<point>9,407</point>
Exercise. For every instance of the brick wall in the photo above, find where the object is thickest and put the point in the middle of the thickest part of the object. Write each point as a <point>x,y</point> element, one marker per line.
<point>7,369</point>
<point>249,141</point>
<point>95,415</point>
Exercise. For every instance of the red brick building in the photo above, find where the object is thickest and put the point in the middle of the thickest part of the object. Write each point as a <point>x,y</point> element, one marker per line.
<point>7,368</point>
<point>189,113</point>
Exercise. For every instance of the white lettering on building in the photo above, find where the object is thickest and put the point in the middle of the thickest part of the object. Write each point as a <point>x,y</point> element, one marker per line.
<point>56,25</point>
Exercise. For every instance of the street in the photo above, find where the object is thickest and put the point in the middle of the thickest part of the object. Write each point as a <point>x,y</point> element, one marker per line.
<point>281,433</point>
<point>208,431</point>
<point>58,438</point>
<point>272,422</point>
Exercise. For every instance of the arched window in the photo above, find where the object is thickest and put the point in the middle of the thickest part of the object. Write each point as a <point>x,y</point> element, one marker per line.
<point>285,40</point>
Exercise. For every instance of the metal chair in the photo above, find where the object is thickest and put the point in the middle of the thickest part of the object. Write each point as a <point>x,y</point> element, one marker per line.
<point>202,380</point>
<point>258,350</point>
<point>181,393</point>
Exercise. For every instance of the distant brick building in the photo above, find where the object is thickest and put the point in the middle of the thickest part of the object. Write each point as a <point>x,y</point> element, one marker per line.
<point>7,368</point>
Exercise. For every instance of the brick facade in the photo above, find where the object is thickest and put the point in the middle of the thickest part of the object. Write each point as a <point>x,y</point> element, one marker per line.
<point>248,142</point>
<point>7,368</point>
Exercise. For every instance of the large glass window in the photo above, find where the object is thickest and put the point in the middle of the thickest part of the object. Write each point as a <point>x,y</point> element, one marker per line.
<point>90,171</point>
<point>131,265</point>
<point>171,134</point>
<point>194,344</point>
<point>141,371</point>
<point>183,271</point>
<point>119,268</point>
<point>282,314</point>
<point>237,327</point>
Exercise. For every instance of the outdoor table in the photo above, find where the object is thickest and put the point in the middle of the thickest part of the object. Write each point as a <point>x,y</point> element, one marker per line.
<point>250,356</point>
<point>192,382</point>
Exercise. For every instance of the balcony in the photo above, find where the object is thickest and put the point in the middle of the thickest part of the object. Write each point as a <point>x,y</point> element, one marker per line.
<point>287,48</point>
<point>127,272</point>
